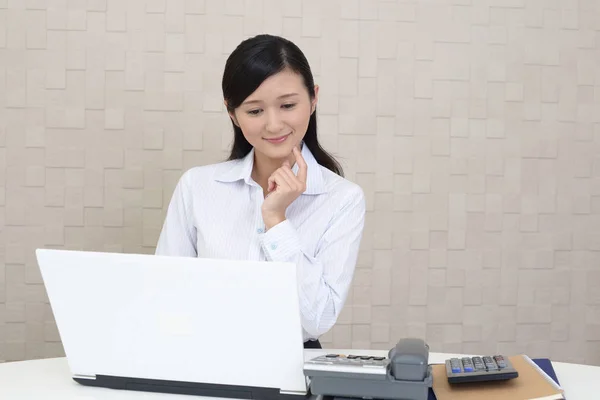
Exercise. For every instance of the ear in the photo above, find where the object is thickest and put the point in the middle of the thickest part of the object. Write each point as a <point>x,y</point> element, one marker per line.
<point>315,100</point>
<point>234,119</point>
<point>232,115</point>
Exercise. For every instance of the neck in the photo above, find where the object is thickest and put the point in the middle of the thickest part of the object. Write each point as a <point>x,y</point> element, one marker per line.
<point>264,167</point>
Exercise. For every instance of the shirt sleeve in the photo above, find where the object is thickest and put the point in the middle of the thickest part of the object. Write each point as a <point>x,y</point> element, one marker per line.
<point>325,278</point>
<point>178,235</point>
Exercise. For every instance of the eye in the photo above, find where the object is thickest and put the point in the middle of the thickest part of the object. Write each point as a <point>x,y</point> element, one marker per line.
<point>254,112</point>
<point>288,106</point>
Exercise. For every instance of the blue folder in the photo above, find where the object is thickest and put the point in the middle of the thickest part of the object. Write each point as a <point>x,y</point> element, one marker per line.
<point>544,363</point>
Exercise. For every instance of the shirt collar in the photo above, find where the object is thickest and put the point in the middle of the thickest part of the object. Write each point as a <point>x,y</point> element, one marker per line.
<point>242,169</point>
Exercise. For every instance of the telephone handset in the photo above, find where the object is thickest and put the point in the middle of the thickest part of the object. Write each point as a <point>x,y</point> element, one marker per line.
<point>409,360</point>
<point>404,375</point>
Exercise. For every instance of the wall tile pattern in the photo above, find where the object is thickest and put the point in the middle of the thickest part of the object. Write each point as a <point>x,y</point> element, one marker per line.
<point>473,127</point>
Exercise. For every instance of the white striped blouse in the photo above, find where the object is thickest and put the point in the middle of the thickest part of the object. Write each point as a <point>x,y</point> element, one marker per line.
<point>215,212</point>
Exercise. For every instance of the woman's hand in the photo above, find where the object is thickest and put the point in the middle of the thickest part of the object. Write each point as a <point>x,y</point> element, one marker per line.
<point>283,188</point>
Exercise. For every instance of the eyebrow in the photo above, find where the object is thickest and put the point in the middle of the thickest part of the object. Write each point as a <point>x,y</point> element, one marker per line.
<point>283,96</point>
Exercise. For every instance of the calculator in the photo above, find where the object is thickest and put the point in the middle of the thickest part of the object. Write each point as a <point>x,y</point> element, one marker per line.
<point>479,369</point>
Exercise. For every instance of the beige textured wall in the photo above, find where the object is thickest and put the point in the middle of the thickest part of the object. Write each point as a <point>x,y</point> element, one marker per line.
<point>472,125</point>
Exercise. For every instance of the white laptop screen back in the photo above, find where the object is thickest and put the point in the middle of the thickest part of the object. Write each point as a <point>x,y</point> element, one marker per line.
<point>174,318</point>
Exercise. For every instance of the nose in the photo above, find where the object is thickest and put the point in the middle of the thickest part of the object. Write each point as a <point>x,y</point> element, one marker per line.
<point>274,122</point>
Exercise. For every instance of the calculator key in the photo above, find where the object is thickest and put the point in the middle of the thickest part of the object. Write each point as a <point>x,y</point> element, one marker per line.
<point>378,358</point>
<point>332,355</point>
<point>478,364</point>
<point>500,361</point>
<point>365,357</point>
<point>467,364</point>
<point>455,365</point>
<point>490,364</point>
<point>352,357</point>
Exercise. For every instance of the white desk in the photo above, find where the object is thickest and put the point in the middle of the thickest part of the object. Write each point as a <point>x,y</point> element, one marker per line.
<point>50,379</point>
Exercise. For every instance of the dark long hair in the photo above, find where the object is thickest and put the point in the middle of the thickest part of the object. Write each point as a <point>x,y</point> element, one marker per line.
<point>253,61</point>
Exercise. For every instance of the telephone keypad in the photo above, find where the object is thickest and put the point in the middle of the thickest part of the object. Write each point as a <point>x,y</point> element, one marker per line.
<point>354,362</point>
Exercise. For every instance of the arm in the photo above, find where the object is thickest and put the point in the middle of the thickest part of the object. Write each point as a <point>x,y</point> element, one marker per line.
<point>325,278</point>
<point>178,235</point>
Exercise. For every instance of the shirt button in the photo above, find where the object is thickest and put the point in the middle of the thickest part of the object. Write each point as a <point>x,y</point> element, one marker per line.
<point>273,246</point>
<point>259,230</point>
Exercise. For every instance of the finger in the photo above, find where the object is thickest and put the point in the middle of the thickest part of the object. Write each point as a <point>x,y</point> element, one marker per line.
<point>271,184</point>
<point>275,180</point>
<point>302,167</point>
<point>293,180</point>
<point>283,179</point>
<point>280,181</point>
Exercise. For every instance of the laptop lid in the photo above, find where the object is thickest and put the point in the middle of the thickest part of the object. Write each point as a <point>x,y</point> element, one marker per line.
<point>180,319</point>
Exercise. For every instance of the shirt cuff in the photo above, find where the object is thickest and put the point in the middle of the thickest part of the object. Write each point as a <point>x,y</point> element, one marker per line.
<point>281,242</point>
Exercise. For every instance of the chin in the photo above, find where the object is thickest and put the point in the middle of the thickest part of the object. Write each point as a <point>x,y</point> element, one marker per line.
<point>279,152</point>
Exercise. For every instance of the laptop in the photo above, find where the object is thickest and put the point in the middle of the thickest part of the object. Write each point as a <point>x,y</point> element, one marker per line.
<point>217,328</point>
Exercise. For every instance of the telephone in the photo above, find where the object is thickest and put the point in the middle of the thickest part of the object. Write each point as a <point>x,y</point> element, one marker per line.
<point>404,375</point>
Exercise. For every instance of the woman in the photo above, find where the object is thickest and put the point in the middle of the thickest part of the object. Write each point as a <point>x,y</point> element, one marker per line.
<point>280,196</point>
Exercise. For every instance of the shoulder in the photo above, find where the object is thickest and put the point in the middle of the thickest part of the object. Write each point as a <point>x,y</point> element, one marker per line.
<point>203,180</point>
<point>206,174</point>
<point>346,192</point>
<point>204,185</point>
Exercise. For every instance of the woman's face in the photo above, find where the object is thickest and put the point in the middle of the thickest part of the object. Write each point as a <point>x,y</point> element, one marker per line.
<point>275,117</point>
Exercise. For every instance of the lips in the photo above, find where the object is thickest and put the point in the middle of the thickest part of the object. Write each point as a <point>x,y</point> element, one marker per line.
<point>277,140</point>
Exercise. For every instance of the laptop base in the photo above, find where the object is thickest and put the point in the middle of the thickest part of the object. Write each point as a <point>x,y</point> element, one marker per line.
<point>189,388</point>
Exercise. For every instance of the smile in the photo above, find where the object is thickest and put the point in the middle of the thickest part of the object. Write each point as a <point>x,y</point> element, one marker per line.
<point>278,140</point>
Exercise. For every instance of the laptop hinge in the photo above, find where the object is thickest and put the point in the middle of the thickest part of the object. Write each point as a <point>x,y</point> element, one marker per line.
<point>92,377</point>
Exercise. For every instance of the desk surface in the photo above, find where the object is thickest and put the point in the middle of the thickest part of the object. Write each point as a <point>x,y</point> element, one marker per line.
<point>50,379</point>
